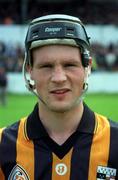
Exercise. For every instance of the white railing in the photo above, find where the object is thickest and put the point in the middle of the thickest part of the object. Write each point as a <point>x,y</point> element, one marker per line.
<point>98,82</point>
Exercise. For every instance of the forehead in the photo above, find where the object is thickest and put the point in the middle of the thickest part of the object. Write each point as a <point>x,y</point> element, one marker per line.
<point>56,52</point>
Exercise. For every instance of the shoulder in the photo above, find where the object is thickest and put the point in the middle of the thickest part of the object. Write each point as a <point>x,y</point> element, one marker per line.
<point>107,127</point>
<point>8,139</point>
<point>113,129</point>
<point>9,132</point>
<point>113,124</point>
<point>113,146</point>
<point>105,121</point>
<point>107,131</point>
<point>104,124</point>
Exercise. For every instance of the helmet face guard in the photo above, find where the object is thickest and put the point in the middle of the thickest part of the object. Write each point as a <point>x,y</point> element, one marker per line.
<point>58,27</point>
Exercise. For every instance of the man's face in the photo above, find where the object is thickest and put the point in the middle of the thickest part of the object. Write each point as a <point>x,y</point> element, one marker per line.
<point>58,75</point>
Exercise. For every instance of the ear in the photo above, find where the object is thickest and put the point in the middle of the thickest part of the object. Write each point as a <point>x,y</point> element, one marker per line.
<point>90,61</point>
<point>30,71</point>
<point>89,70</point>
<point>90,66</point>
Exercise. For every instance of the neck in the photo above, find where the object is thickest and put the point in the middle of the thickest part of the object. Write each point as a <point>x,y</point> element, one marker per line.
<point>60,126</point>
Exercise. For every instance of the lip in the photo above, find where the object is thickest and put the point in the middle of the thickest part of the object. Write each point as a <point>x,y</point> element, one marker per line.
<point>60,91</point>
<point>60,94</point>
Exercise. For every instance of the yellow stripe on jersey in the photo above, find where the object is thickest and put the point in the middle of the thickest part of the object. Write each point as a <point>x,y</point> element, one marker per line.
<point>61,167</point>
<point>1,130</point>
<point>100,146</point>
<point>25,151</point>
<point>2,177</point>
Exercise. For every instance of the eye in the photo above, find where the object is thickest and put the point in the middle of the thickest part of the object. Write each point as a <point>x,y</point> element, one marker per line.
<point>70,65</point>
<point>46,66</point>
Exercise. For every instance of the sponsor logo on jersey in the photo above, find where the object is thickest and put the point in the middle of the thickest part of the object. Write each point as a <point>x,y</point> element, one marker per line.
<point>61,169</point>
<point>106,173</point>
<point>18,173</point>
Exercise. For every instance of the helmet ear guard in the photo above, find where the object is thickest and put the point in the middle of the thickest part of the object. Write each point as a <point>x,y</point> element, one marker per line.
<point>87,73</point>
<point>86,58</point>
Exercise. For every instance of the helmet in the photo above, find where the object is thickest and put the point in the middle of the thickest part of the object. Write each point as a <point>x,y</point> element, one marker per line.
<point>57,29</point>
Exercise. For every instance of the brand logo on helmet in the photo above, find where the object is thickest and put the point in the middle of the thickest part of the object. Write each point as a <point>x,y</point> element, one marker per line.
<point>53,30</point>
<point>18,173</point>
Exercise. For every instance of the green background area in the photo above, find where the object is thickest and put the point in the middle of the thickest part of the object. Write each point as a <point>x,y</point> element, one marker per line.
<point>19,106</point>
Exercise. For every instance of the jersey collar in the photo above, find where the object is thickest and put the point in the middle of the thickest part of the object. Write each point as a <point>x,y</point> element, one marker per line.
<point>36,130</point>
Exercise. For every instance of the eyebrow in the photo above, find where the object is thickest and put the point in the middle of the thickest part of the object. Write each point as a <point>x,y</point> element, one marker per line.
<point>63,61</point>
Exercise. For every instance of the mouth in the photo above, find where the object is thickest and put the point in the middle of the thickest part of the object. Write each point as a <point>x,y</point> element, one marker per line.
<point>59,91</point>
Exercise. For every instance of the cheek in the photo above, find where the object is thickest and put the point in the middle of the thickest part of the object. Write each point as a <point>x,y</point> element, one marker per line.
<point>79,76</point>
<point>40,87</point>
<point>32,74</point>
<point>40,81</point>
<point>79,82</point>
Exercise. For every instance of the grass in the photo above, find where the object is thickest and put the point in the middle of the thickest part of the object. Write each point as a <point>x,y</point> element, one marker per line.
<point>18,106</point>
<point>21,105</point>
<point>105,104</point>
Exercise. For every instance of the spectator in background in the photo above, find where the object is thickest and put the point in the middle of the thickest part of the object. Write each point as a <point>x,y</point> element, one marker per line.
<point>99,52</point>
<point>3,85</point>
<point>110,57</point>
<point>116,63</point>
<point>8,20</point>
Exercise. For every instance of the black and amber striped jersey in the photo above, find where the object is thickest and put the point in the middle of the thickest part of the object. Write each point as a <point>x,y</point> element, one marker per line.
<point>91,153</point>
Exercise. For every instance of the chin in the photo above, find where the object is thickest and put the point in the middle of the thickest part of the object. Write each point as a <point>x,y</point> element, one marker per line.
<point>61,108</point>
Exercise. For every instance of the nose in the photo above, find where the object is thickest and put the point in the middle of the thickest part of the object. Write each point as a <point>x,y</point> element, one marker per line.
<point>58,75</point>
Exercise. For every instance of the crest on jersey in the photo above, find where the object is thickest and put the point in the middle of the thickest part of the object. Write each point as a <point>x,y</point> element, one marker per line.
<point>18,173</point>
<point>61,169</point>
<point>106,173</point>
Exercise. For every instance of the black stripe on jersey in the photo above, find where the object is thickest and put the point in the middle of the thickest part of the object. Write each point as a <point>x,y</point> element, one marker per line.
<point>80,157</point>
<point>43,161</point>
<point>113,151</point>
<point>61,150</point>
<point>82,149</point>
<point>8,149</point>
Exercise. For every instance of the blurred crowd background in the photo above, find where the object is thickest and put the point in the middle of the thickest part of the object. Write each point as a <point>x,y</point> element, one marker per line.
<point>20,12</point>
<point>90,11</point>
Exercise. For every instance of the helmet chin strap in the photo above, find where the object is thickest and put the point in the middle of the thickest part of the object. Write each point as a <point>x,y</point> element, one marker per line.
<point>31,87</point>
<point>85,85</point>
<point>28,84</point>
